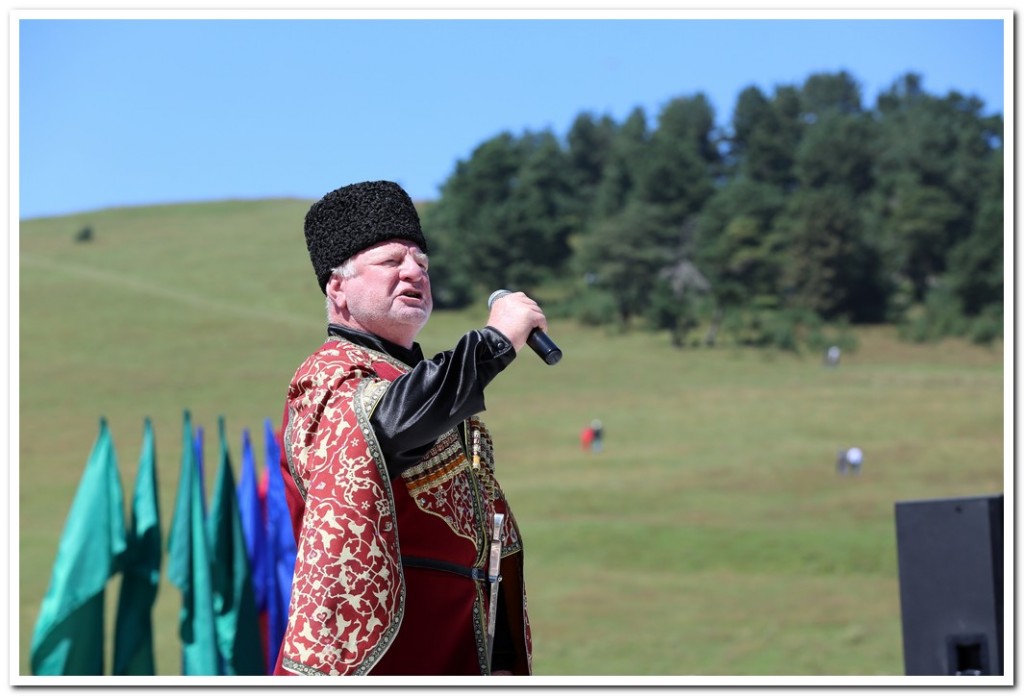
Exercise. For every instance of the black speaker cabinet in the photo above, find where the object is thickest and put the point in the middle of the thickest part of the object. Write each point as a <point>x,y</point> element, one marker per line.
<point>951,585</point>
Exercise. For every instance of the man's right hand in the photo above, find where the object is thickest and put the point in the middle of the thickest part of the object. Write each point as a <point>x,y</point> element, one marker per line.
<point>516,315</point>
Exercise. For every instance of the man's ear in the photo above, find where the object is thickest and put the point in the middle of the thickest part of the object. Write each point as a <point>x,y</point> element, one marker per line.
<point>335,293</point>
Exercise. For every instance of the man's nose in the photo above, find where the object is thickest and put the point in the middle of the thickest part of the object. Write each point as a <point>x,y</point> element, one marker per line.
<point>410,267</point>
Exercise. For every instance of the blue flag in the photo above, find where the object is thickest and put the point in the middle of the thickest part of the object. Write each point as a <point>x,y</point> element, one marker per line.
<point>68,637</point>
<point>200,468</point>
<point>254,523</point>
<point>252,510</point>
<point>133,637</point>
<point>281,546</point>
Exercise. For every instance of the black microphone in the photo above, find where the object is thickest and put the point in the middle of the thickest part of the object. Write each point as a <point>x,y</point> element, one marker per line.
<point>538,340</point>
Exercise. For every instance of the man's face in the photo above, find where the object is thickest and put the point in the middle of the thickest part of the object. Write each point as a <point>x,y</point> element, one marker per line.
<point>388,293</point>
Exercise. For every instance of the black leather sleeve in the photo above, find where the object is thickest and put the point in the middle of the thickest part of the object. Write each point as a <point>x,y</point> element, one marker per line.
<point>436,395</point>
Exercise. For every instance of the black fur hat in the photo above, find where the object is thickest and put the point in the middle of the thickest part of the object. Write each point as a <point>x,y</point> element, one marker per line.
<point>355,217</point>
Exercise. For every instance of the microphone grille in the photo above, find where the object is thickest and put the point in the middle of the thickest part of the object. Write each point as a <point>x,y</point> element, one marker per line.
<point>495,296</point>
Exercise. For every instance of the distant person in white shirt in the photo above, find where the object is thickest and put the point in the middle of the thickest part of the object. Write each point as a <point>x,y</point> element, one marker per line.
<point>850,459</point>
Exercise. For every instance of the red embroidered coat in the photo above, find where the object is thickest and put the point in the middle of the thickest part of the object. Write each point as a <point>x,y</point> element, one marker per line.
<point>363,601</point>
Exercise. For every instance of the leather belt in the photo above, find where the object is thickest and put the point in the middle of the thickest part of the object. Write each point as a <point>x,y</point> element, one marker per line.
<point>477,574</point>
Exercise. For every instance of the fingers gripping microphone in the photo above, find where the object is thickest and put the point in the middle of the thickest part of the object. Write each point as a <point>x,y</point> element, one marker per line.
<point>538,340</point>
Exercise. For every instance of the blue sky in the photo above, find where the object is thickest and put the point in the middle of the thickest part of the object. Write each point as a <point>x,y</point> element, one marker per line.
<point>129,112</point>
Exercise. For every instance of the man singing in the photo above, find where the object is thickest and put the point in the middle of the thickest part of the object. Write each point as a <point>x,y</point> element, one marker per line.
<point>390,471</point>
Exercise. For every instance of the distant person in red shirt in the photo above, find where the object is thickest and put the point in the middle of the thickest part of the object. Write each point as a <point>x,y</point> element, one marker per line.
<point>587,438</point>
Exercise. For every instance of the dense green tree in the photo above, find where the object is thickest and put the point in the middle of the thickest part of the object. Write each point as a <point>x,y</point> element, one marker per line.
<point>809,207</point>
<point>976,263</point>
<point>932,155</point>
<point>829,269</point>
<point>921,222</point>
<point>624,253</point>
<point>735,246</point>
<point>618,179</point>
<point>509,212</point>
<point>944,142</point>
<point>753,108</point>
<point>678,172</point>
<point>824,93</point>
<point>590,145</point>
<point>539,215</point>
<point>451,278</point>
<point>837,144</point>
<point>837,150</point>
<point>765,136</point>
<point>470,217</point>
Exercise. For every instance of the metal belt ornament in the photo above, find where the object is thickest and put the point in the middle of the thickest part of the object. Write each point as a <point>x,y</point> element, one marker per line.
<point>494,562</point>
<point>494,577</point>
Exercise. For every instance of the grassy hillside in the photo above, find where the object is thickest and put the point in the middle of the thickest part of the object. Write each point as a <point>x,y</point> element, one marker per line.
<point>711,537</point>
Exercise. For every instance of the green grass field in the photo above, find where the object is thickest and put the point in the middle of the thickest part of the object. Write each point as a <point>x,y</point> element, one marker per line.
<point>712,537</point>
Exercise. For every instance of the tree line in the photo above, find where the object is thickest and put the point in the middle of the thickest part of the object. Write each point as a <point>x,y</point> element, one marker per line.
<point>806,210</point>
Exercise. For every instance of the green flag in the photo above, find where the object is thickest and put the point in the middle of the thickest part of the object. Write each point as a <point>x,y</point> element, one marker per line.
<point>234,600</point>
<point>188,567</point>
<point>133,637</point>
<point>68,637</point>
